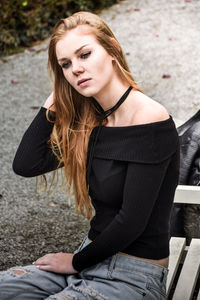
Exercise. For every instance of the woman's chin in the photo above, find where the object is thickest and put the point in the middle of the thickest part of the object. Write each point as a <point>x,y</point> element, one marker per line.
<point>87,92</point>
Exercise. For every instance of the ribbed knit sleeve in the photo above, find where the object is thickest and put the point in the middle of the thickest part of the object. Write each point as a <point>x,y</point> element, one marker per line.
<point>142,185</point>
<point>34,157</point>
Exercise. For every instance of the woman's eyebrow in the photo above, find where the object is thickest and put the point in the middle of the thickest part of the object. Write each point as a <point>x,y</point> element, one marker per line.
<point>75,52</point>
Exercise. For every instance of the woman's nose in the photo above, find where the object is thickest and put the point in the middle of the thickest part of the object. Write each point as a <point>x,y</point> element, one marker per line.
<point>77,68</point>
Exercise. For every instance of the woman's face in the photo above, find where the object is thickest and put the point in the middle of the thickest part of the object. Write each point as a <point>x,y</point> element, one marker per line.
<point>82,57</point>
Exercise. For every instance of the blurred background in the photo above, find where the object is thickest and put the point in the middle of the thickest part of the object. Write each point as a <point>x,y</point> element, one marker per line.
<point>161,41</point>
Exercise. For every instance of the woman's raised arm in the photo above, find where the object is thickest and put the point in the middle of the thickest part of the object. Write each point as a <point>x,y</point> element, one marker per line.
<point>34,157</point>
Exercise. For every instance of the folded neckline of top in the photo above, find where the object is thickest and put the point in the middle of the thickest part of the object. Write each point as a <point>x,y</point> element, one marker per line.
<point>141,125</point>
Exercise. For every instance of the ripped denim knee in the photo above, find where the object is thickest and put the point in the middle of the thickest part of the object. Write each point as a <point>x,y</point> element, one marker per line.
<point>18,271</point>
<point>88,292</point>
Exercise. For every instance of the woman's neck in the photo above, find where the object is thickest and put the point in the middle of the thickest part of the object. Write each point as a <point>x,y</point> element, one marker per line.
<point>108,98</point>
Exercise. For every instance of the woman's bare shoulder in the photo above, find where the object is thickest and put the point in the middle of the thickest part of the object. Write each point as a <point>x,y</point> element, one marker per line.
<point>148,110</point>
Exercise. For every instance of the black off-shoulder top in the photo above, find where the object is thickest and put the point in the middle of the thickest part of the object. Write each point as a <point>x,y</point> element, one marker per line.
<point>132,180</point>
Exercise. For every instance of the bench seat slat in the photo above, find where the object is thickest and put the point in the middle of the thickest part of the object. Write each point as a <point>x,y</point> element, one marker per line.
<point>177,246</point>
<point>189,273</point>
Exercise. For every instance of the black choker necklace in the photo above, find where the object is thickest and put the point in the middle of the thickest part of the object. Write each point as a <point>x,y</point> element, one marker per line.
<point>104,114</point>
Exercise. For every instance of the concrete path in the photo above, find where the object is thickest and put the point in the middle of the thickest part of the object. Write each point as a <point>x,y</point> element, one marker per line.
<point>161,39</point>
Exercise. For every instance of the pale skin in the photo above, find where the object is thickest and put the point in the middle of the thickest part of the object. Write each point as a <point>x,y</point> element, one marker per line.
<point>105,86</point>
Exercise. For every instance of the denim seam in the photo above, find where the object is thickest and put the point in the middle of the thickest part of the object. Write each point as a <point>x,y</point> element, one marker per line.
<point>111,266</point>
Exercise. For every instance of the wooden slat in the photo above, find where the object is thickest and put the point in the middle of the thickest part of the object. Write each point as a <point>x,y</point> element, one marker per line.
<point>178,122</point>
<point>187,194</point>
<point>177,246</point>
<point>189,273</point>
<point>198,297</point>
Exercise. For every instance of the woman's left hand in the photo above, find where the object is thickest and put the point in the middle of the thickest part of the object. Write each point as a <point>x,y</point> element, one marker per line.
<point>56,262</point>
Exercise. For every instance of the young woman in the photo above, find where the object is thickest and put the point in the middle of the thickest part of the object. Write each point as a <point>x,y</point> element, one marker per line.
<point>119,150</point>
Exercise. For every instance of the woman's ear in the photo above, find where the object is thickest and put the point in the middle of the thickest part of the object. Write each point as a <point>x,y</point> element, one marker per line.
<point>113,40</point>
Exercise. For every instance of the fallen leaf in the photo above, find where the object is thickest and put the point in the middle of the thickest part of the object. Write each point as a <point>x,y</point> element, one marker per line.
<point>166,76</point>
<point>187,0</point>
<point>52,204</point>
<point>172,38</point>
<point>156,34</point>
<point>134,9</point>
<point>4,60</point>
<point>127,53</point>
<point>34,107</point>
<point>14,82</point>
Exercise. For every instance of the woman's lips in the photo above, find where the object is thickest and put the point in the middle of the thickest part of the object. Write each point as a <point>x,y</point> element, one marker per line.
<point>84,82</point>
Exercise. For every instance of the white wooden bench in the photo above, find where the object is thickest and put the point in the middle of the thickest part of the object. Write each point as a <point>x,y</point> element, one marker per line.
<point>184,261</point>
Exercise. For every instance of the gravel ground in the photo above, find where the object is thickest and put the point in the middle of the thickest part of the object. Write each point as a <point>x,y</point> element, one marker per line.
<point>159,38</point>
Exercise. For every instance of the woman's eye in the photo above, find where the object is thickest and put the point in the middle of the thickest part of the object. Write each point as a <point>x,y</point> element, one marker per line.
<point>85,55</point>
<point>65,65</point>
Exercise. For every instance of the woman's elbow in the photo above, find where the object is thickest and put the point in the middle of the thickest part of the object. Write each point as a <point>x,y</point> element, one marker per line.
<point>21,169</point>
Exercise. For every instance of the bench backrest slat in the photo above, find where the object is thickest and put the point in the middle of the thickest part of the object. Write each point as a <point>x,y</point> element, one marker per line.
<point>198,297</point>
<point>187,194</point>
<point>177,246</point>
<point>189,273</point>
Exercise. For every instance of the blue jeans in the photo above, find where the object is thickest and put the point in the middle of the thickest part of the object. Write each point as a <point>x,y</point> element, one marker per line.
<point>117,277</point>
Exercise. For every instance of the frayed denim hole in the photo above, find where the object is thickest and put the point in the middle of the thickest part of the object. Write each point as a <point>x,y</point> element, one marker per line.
<point>19,271</point>
<point>62,296</point>
<point>89,291</point>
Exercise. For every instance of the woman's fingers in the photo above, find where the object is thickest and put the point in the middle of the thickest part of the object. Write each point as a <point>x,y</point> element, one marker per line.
<point>44,260</point>
<point>45,267</point>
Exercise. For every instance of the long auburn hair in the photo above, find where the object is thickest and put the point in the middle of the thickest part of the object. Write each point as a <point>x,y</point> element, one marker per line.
<point>76,115</point>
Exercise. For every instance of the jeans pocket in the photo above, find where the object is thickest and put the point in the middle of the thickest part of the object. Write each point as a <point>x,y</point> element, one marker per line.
<point>136,289</point>
<point>131,279</point>
<point>157,289</point>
